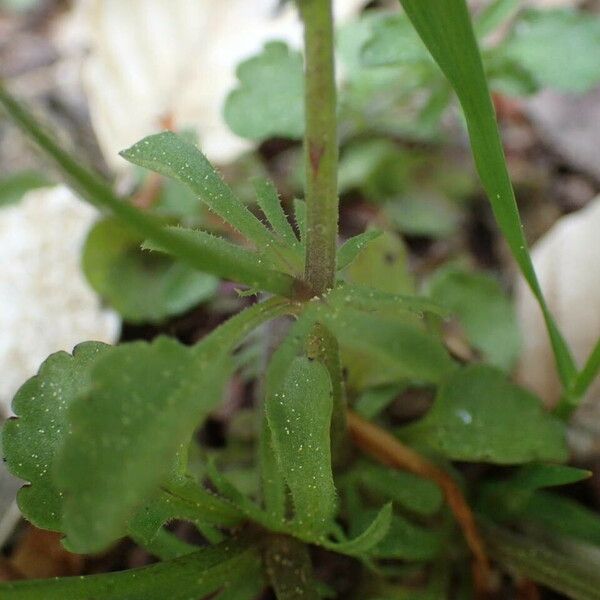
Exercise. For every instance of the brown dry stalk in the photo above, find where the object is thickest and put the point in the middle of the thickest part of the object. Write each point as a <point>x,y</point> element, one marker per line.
<point>384,447</point>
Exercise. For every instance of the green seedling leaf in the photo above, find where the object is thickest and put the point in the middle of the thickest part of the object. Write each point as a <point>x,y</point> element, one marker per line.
<point>170,155</point>
<point>507,499</point>
<point>143,404</point>
<point>300,218</point>
<point>536,476</point>
<point>372,300</point>
<point>408,491</point>
<point>483,310</point>
<point>371,535</point>
<point>445,28</point>
<point>219,257</point>
<point>299,415</point>
<point>180,499</point>
<point>558,47</point>
<point>383,266</point>
<point>400,350</point>
<point>14,187</point>
<point>192,576</point>
<point>269,101</point>
<point>480,416</point>
<point>270,204</point>
<point>289,569</point>
<point>30,442</point>
<point>142,287</point>
<point>403,540</point>
<point>351,248</point>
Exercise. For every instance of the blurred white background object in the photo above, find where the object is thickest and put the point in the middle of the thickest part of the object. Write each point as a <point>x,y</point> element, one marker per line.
<point>46,305</point>
<point>152,58</point>
<point>567,262</point>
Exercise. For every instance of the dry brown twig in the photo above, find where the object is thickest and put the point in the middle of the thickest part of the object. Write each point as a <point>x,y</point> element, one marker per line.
<point>385,448</point>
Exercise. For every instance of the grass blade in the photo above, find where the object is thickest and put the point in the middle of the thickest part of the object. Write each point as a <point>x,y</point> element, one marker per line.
<point>445,28</point>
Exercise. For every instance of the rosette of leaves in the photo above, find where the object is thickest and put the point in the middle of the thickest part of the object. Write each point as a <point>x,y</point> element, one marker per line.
<point>105,440</point>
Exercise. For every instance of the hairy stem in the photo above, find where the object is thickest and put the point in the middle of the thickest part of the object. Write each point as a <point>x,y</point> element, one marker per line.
<point>320,145</point>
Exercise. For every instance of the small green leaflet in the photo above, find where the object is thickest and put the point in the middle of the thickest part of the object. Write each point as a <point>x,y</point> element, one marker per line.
<point>269,100</point>
<point>383,265</point>
<point>372,300</point>
<point>170,155</point>
<point>195,575</point>
<point>505,500</point>
<point>446,29</point>
<point>403,540</point>
<point>484,311</point>
<point>126,430</point>
<point>408,491</point>
<point>30,441</point>
<point>179,499</point>
<point>299,415</point>
<point>362,544</point>
<point>270,204</point>
<point>351,248</point>
<point>142,287</point>
<point>480,416</point>
<point>401,350</point>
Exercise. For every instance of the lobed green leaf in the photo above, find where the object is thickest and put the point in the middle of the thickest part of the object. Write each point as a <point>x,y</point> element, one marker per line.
<point>269,99</point>
<point>30,441</point>
<point>126,430</point>
<point>478,415</point>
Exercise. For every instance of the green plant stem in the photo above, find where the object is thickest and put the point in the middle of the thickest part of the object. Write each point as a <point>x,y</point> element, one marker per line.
<point>320,145</point>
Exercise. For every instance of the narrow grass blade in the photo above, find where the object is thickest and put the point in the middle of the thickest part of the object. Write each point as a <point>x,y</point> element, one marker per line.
<point>445,28</point>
